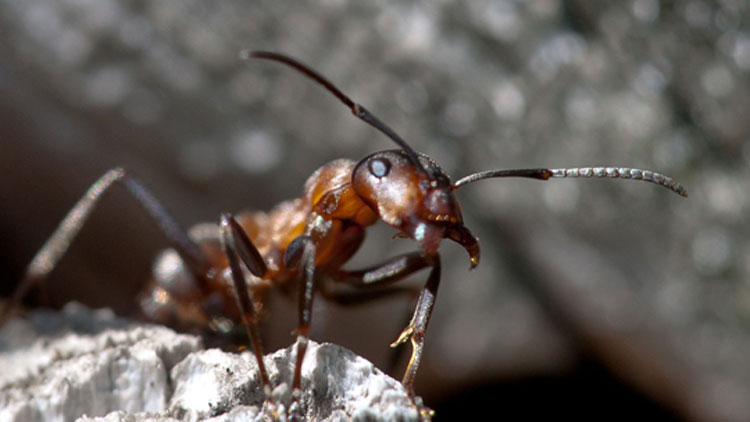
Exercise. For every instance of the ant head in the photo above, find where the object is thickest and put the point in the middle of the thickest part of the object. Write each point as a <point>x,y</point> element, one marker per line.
<point>418,201</point>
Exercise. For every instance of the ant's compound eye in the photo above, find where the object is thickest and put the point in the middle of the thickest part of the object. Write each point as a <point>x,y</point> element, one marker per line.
<point>379,167</point>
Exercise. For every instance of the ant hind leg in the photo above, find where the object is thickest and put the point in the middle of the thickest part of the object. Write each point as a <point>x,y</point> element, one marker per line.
<point>52,251</point>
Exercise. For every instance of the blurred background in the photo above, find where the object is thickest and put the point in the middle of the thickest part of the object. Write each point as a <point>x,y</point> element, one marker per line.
<point>593,298</point>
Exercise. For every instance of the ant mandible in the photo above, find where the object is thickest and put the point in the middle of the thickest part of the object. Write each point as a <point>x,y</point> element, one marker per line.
<point>215,276</point>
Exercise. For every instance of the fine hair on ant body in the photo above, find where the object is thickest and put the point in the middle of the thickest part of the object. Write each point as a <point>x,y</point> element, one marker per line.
<point>218,276</point>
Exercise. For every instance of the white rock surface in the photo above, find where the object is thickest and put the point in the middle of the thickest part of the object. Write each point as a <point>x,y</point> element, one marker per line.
<point>65,366</point>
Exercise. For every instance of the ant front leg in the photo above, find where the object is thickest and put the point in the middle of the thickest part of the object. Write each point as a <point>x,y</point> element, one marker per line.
<point>53,250</point>
<point>418,324</point>
<point>391,272</point>
<point>237,246</point>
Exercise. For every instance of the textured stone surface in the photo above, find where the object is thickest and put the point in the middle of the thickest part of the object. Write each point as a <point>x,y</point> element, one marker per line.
<point>59,367</point>
<point>337,385</point>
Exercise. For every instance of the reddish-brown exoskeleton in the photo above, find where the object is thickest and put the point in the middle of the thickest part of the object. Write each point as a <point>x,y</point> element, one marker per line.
<point>218,275</point>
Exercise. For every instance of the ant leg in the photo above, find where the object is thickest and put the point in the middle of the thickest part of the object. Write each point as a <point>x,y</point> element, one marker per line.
<point>301,254</point>
<point>237,246</point>
<point>54,248</point>
<point>393,271</point>
<point>416,332</point>
<point>232,233</point>
<point>378,287</point>
<point>418,324</point>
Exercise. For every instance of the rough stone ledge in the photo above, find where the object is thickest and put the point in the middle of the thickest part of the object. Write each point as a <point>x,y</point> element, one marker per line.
<point>86,365</point>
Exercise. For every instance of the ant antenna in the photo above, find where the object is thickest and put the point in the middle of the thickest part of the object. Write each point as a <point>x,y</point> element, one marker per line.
<point>587,172</point>
<point>357,109</point>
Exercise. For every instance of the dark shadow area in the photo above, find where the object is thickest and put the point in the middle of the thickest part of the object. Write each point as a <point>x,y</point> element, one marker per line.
<point>587,392</point>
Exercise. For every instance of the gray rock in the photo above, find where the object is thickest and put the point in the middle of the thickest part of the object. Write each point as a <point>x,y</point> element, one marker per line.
<point>59,366</point>
<point>90,366</point>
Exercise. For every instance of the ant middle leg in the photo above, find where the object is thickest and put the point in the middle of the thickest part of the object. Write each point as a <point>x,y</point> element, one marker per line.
<point>54,248</point>
<point>301,254</point>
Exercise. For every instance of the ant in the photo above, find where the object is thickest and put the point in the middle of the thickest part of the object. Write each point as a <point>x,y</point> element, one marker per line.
<point>216,276</point>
